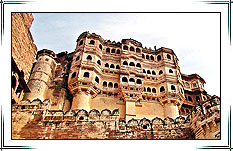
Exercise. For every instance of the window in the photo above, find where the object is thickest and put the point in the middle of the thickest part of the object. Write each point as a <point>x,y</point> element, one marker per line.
<point>139,81</point>
<point>86,74</point>
<point>148,89</point>
<point>113,50</point>
<point>13,82</point>
<point>168,57</point>
<point>81,42</point>
<point>97,79</point>
<point>131,64</point>
<point>160,72</point>
<point>195,85</point>
<point>110,84</point>
<point>124,79</point>
<point>73,75</point>
<point>92,42</point>
<point>173,87</point>
<point>131,80</point>
<point>112,66</point>
<point>170,71</point>
<point>77,58</point>
<point>100,46</point>
<point>137,50</point>
<point>117,67</point>
<point>154,90</point>
<point>197,98</point>
<point>152,58</point>
<point>118,51</point>
<point>115,85</point>
<point>125,48</point>
<point>107,50</point>
<point>186,84</point>
<point>89,57</point>
<point>159,58</point>
<point>153,73</point>
<point>162,89</point>
<point>189,98</point>
<point>144,71</point>
<point>106,65</point>
<point>148,72</point>
<point>99,62</point>
<point>105,84</point>
<point>143,56</point>
<point>138,65</point>
<point>125,63</point>
<point>131,48</point>
<point>147,56</point>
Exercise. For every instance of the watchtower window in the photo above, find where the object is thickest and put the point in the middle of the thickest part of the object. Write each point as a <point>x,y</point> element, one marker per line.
<point>131,48</point>
<point>152,58</point>
<point>154,90</point>
<point>138,65</point>
<point>115,85</point>
<point>148,89</point>
<point>117,67</point>
<point>131,64</point>
<point>144,71</point>
<point>159,58</point>
<point>125,63</point>
<point>107,50</point>
<point>125,48</point>
<point>112,66</point>
<point>137,50</point>
<point>86,74</point>
<point>73,75</point>
<point>89,57</point>
<point>92,42</point>
<point>124,79</point>
<point>100,46</point>
<point>81,42</point>
<point>131,80</point>
<point>189,98</point>
<point>97,79</point>
<point>148,72</point>
<point>139,81</point>
<point>99,62</point>
<point>162,89</point>
<point>113,50</point>
<point>170,71</point>
<point>160,72</point>
<point>77,58</point>
<point>118,51</point>
<point>110,85</point>
<point>153,73</point>
<point>105,84</point>
<point>168,57</point>
<point>173,87</point>
<point>147,56</point>
<point>106,65</point>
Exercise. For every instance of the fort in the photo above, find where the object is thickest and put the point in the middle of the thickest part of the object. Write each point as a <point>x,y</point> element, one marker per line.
<point>105,90</point>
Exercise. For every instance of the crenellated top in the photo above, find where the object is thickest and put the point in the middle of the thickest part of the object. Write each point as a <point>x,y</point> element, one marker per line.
<point>45,52</point>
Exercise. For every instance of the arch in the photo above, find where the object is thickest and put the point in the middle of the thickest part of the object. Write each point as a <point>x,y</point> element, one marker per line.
<point>89,57</point>
<point>131,64</point>
<point>77,58</point>
<point>118,51</point>
<point>125,63</point>
<point>159,58</point>
<point>162,89</point>
<point>168,57</point>
<point>144,71</point>
<point>148,72</point>
<point>13,82</point>
<point>112,66</point>
<point>173,87</point>
<point>97,79</point>
<point>131,80</point>
<point>113,51</point>
<point>73,75</point>
<point>138,65</point>
<point>107,50</point>
<point>92,42</point>
<point>125,47</point>
<point>152,57</point>
<point>100,46</point>
<point>81,42</point>
<point>115,85</point>
<point>104,84</point>
<point>147,57</point>
<point>190,99</point>
<point>154,90</point>
<point>160,72</point>
<point>117,67</point>
<point>153,72</point>
<point>170,71</point>
<point>148,89</point>
<point>86,74</point>
<point>143,56</point>
<point>99,62</point>
<point>110,85</point>
<point>131,48</point>
<point>139,81</point>
<point>106,65</point>
<point>124,79</point>
<point>138,50</point>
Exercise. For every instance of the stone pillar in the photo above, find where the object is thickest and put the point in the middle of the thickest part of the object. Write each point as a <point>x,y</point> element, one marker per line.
<point>171,110</point>
<point>81,101</point>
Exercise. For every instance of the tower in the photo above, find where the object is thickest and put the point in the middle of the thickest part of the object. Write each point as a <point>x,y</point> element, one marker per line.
<point>41,75</point>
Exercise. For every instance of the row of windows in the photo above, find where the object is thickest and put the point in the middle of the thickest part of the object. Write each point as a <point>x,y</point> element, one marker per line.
<point>132,49</point>
<point>194,85</point>
<point>113,51</point>
<point>138,81</point>
<point>159,58</point>
<point>153,90</point>
<point>110,84</point>
<point>191,100</point>
<point>111,66</point>
<point>132,64</point>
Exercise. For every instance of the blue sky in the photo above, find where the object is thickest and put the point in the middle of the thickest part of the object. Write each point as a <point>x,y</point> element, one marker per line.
<point>193,37</point>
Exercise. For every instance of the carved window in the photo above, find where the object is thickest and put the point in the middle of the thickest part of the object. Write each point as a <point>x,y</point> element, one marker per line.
<point>148,72</point>
<point>160,72</point>
<point>99,62</point>
<point>125,47</point>
<point>144,71</point>
<point>170,71</point>
<point>143,56</point>
<point>105,84</point>
<point>168,57</point>
<point>138,65</point>
<point>117,67</point>
<point>153,73</point>
<point>152,58</point>
<point>113,50</point>
<point>139,81</point>
<point>148,89</point>
<point>147,57</point>
<point>162,89</point>
<point>86,74</point>
<point>92,42</point>
<point>100,46</point>
<point>77,58</point>
<point>154,90</point>
<point>131,48</point>
<point>118,51</point>
<point>89,57</point>
<point>97,79</point>
<point>106,65</point>
<point>138,50</point>
<point>197,98</point>
<point>131,80</point>
<point>110,85</point>
<point>115,85</point>
<point>131,64</point>
<point>73,75</point>
<point>125,63</point>
<point>112,66</point>
<point>124,79</point>
<point>190,99</point>
<point>173,87</point>
<point>159,58</point>
<point>107,50</point>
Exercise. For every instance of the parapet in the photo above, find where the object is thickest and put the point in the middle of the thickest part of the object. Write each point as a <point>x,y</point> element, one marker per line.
<point>46,52</point>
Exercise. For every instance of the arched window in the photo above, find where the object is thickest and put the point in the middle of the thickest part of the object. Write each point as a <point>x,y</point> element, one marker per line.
<point>97,79</point>
<point>197,98</point>
<point>100,46</point>
<point>99,62</point>
<point>115,85</point>
<point>113,50</point>
<point>131,48</point>
<point>148,72</point>
<point>159,58</point>
<point>131,64</point>
<point>107,50</point>
<point>124,79</point>
<point>152,58</point>
<point>73,75</point>
<point>138,50</point>
<point>168,57</point>
<point>190,99</point>
<point>131,80</point>
<point>154,90</point>
<point>143,56</point>
<point>160,72</point>
<point>92,42</point>
<point>170,71</point>
<point>138,65</point>
<point>147,56</point>
<point>144,71</point>
<point>89,57</point>
<point>162,89</point>
<point>106,65</point>
<point>13,82</point>
<point>86,74</point>
<point>125,47</point>
<point>153,72</point>
<point>112,66</point>
<point>148,89</point>
<point>81,42</point>
<point>110,85</point>
<point>118,51</point>
<point>139,81</point>
<point>173,87</point>
<point>105,84</point>
<point>125,63</point>
<point>117,67</point>
<point>195,85</point>
<point>77,58</point>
